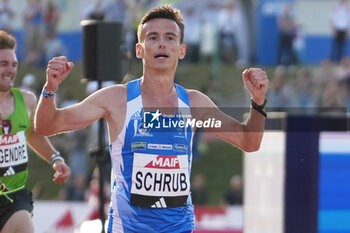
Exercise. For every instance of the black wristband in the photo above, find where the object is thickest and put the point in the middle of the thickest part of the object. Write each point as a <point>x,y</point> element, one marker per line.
<point>56,156</point>
<point>259,108</point>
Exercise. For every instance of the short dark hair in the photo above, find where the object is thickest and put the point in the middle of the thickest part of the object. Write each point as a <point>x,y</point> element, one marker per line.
<point>163,12</point>
<point>7,41</point>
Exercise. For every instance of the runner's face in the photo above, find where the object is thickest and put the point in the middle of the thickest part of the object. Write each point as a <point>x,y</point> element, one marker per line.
<point>160,46</point>
<point>8,69</point>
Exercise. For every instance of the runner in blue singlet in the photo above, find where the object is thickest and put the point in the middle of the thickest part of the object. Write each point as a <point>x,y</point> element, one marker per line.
<point>151,122</point>
<point>159,164</point>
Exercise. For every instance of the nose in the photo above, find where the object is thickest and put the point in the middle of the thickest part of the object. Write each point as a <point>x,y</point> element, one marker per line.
<point>161,43</point>
<point>11,69</point>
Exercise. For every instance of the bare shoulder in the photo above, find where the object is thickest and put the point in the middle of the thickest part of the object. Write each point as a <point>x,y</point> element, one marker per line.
<point>30,99</point>
<point>199,99</point>
<point>118,90</point>
<point>112,95</point>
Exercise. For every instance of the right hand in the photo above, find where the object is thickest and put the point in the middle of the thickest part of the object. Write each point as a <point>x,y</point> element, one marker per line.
<point>62,172</point>
<point>57,71</point>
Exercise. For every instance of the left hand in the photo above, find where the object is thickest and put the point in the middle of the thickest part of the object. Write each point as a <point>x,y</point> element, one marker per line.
<point>57,71</point>
<point>62,173</point>
<point>257,82</point>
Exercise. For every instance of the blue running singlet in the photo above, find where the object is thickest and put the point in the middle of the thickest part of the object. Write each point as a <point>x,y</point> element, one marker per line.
<point>151,171</point>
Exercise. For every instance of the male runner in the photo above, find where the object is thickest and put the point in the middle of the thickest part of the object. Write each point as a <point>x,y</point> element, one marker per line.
<point>16,130</point>
<point>151,165</point>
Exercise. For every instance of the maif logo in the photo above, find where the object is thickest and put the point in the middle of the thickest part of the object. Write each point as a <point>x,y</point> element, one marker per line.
<point>155,120</point>
<point>9,139</point>
<point>165,162</point>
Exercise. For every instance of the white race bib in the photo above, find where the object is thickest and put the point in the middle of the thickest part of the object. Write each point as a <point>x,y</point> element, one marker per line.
<point>160,176</point>
<point>13,149</point>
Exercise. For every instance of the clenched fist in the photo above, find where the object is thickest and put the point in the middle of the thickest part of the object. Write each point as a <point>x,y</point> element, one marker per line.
<point>57,71</point>
<point>255,79</point>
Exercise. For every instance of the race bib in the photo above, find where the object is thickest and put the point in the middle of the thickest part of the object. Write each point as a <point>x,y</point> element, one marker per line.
<point>160,181</point>
<point>13,153</point>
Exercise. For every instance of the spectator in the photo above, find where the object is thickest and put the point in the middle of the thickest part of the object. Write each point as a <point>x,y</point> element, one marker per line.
<point>78,156</point>
<point>208,41</point>
<point>6,16</point>
<point>281,94</point>
<point>331,98</point>
<point>28,83</point>
<point>342,75</point>
<point>229,22</point>
<point>286,25</point>
<point>210,12</point>
<point>340,22</point>
<point>208,31</point>
<point>75,191</point>
<point>234,195</point>
<point>191,38</point>
<point>53,46</point>
<point>115,11</point>
<point>347,94</point>
<point>34,32</point>
<point>134,12</point>
<point>95,11</point>
<point>322,75</point>
<point>199,190</point>
<point>304,98</point>
<point>93,193</point>
<point>52,15</point>
<point>342,71</point>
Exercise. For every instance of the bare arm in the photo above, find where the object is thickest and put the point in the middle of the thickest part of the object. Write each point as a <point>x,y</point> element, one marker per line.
<point>42,146</point>
<point>49,120</point>
<point>247,135</point>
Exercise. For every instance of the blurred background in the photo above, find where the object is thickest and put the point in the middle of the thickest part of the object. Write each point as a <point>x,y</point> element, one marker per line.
<point>302,44</point>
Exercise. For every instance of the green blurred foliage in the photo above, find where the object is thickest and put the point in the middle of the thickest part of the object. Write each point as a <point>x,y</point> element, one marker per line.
<point>218,162</point>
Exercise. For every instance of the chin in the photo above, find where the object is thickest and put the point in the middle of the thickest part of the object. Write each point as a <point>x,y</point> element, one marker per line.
<point>8,87</point>
<point>162,66</point>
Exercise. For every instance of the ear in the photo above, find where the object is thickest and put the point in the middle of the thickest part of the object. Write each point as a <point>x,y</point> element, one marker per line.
<point>182,51</point>
<point>139,51</point>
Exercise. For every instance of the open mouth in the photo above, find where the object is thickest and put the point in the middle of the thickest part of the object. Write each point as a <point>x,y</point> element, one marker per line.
<point>8,78</point>
<point>159,55</point>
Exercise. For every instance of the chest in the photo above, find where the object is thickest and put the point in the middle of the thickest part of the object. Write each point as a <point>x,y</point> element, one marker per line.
<point>7,108</point>
<point>154,102</point>
<point>155,133</point>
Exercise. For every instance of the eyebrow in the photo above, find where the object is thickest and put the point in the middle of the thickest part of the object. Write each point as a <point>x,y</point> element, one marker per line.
<point>157,33</point>
<point>7,61</point>
<point>171,34</point>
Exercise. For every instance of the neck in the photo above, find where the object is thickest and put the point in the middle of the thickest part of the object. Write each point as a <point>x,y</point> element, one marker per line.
<point>6,104</point>
<point>4,95</point>
<point>157,84</point>
<point>159,92</point>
